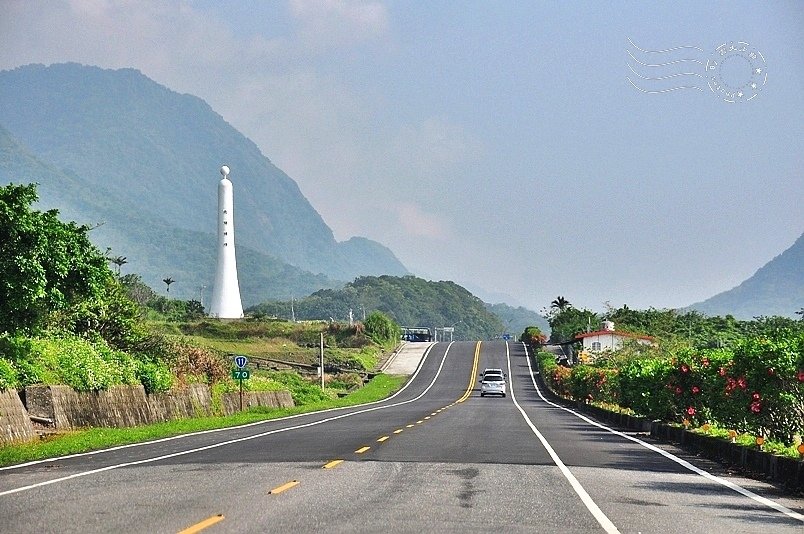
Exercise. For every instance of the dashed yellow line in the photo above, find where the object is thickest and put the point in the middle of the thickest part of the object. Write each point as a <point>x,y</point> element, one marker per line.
<point>383,439</point>
<point>410,426</point>
<point>426,418</point>
<point>399,430</point>
<point>333,463</point>
<point>419,422</point>
<point>283,487</point>
<point>361,450</point>
<point>202,525</point>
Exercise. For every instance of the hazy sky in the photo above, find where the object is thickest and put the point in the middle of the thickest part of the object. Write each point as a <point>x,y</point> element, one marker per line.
<point>497,144</point>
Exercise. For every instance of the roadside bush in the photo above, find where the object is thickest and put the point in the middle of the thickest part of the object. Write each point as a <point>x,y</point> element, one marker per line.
<point>556,377</point>
<point>381,328</point>
<point>642,387</point>
<point>591,383</point>
<point>303,391</point>
<point>8,375</point>
<point>155,376</point>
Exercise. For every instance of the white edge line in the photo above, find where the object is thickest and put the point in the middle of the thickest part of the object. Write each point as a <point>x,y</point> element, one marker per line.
<point>213,430</point>
<point>236,440</point>
<point>731,485</point>
<point>587,500</point>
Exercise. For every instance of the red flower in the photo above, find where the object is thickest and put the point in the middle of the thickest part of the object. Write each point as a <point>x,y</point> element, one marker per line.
<point>695,390</point>
<point>741,383</point>
<point>756,406</point>
<point>800,376</point>
<point>690,411</point>
<point>685,368</point>
<point>722,371</point>
<point>756,396</point>
<point>678,390</point>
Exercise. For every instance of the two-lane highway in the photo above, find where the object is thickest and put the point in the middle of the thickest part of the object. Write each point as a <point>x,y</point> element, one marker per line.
<point>435,457</point>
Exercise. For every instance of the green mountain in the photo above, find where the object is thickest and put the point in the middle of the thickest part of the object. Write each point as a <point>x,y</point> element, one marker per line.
<point>775,289</point>
<point>152,241</point>
<point>519,318</point>
<point>408,300</point>
<point>122,149</point>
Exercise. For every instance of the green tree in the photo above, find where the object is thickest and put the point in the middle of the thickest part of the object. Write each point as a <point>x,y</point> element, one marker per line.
<point>46,265</point>
<point>381,328</point>
<point>560,304</point>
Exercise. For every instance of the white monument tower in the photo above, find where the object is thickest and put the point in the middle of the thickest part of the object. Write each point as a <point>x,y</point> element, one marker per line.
<point>226,303</point>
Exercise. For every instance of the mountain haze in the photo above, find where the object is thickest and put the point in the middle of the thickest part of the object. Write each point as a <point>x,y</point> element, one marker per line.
<point>117,147</point>
<point>775,289</point>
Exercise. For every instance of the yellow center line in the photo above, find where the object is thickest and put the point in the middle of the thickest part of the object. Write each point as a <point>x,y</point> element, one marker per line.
<point>426,418</point>
<point>361,450</point>
<point>472,378</point>
<point>383,439</point>
<point>409,426</point>
<point>202,525</point>
<point>399,430</point>
<point>283,487</point>
<point>333,463</point>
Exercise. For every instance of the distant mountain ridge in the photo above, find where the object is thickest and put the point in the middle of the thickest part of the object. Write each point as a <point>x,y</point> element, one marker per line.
<point>775,289</point>
<point>115,146</point>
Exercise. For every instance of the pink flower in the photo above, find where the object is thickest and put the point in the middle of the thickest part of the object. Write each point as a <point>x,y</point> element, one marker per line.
<point>756,396</point>
<point>722,371</point>
<point>678,390</point>
<point>800,376</point>
<point>685,368</point>
<point>741,383</point>
<point>690,411</point>
<point>695,390</point>
<point>756,406</point>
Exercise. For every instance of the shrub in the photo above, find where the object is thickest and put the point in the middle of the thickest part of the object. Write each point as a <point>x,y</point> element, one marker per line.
<point>642,387</point>
<point>8,375</point>
<point>155,376</point>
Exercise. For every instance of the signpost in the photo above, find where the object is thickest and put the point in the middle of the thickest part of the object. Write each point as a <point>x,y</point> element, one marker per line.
<point>240,374</point>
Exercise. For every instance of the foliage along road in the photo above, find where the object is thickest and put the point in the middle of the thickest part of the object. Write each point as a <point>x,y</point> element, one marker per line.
<point>434,457</point>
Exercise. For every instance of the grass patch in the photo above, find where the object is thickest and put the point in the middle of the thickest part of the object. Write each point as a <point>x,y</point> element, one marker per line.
<point>79,441</point>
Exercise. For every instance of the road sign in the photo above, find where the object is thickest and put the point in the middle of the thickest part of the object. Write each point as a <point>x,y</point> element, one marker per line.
<point>240,361</point>
<point>241,374</point>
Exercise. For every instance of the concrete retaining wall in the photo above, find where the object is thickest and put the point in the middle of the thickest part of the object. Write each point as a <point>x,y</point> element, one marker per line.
<point>127,406</point>
<point>14,422</point>
<point>270,399</point>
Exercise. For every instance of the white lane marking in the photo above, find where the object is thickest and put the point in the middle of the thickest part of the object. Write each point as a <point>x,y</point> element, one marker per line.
<point>213,430</point>
<point>237,440</point>
<point>731,485</point>
<point>593,508</point>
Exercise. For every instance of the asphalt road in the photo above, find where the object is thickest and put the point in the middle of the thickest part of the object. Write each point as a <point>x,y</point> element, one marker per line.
<point>436,457</point>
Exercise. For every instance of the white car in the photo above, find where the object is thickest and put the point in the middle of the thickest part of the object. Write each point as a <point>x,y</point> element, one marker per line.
<point>492,382</point>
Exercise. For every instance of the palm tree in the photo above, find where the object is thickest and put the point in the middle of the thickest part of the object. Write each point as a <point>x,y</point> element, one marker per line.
<point>168,281</point>
<point>560,304</point>
<point>119,261</point>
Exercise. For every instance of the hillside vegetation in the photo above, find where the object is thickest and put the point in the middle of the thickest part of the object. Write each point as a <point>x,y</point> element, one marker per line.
<point>408,300</point>
<point>775,289</point>
<point>114,147</point>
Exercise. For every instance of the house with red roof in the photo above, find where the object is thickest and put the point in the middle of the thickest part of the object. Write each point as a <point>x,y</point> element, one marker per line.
<point>609,339</point>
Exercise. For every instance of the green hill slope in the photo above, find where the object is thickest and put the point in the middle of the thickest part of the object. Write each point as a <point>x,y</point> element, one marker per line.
<point>408,300</point>
<point>153,248</point>
<point>775,289</point>
<point>158,153</point>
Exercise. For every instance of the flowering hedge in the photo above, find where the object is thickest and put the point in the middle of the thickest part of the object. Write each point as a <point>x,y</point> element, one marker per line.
<point>757,386</point>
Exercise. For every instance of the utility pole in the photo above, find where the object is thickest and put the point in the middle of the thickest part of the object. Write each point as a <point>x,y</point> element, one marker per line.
<point>292,310</point>
<point>321,361</point>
